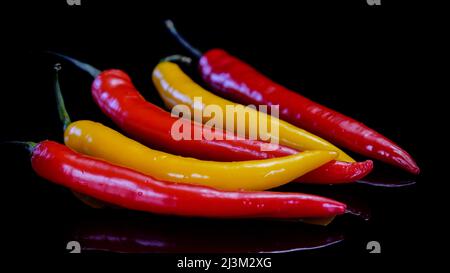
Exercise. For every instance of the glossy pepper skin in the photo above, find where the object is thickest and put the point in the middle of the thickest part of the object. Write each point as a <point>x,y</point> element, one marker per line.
<point>133,190</point>
<point>176,88</point>
<point>97,140</point>
<point>119,99</point>
<point>238,81</point>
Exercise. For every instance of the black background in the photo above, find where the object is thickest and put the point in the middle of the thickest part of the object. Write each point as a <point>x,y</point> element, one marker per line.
<point>365,61</point>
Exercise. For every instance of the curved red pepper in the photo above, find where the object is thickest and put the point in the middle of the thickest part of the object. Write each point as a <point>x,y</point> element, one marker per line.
<point>238,81</point>
<point>129,189</point>
<point>117,97</point>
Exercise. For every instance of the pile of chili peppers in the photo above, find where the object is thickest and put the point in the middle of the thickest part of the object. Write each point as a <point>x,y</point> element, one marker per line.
<point>224,176</point>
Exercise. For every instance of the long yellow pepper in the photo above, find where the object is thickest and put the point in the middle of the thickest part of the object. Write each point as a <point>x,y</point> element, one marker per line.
<point>99,141</point>
<point>176,88</point>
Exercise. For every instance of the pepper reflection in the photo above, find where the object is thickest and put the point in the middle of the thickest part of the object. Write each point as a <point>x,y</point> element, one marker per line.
<point>125,232</point>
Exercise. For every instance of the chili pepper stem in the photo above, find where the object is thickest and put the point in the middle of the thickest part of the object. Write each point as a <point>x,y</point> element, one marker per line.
<point>94,72</point>
<point>63,115</point>
<point>177,58</point>
<point>29,145</point>
<point>171,27</point>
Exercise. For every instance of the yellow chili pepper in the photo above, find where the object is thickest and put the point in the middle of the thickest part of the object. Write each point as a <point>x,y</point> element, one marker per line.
<point>99,141</point>
<point>176,88</point>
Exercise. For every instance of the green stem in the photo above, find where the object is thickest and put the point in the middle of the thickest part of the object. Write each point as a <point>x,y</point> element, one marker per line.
<point>194,51</point>
<point>29,145</point>
<point>83,66</point>
<point>63,115</point>
<point>177,58</point>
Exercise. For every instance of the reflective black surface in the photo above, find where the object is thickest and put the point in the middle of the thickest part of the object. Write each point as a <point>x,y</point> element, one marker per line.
<point>358,60</point>
<point>130,233</point>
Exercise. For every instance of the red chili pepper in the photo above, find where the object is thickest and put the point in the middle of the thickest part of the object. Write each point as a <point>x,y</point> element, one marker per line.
<point>130,189</point>
<point>238,81</point>
<point>117,97</point>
